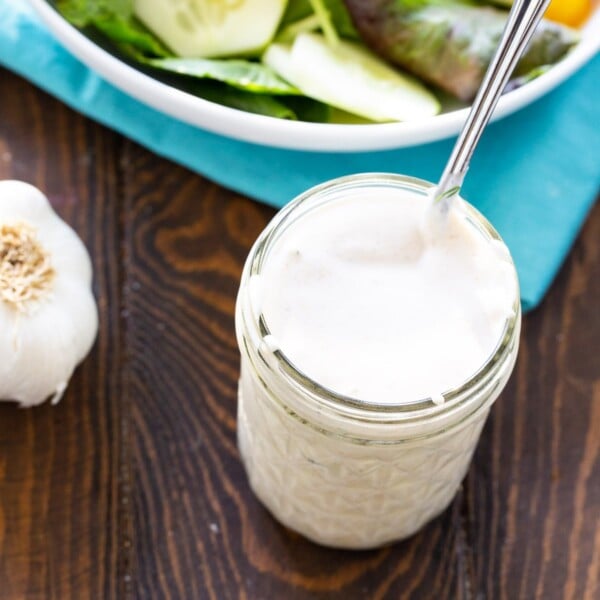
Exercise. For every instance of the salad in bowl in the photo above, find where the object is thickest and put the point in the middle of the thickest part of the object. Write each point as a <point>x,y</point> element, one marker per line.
<point>305,73</point>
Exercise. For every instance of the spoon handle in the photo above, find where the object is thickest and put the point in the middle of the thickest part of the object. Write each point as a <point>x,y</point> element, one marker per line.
<point>522,21</point>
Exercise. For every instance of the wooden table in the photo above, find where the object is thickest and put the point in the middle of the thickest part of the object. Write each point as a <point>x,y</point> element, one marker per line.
<point>132,486</point>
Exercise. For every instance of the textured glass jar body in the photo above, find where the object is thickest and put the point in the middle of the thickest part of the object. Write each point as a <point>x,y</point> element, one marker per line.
<point>346,472</point>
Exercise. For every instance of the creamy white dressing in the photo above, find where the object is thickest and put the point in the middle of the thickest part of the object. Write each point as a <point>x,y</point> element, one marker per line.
<point>366,294</point>
<point>366,297</point>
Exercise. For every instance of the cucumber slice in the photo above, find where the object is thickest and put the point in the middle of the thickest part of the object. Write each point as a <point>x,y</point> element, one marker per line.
<point>211,28</point>
<point>350,77</point>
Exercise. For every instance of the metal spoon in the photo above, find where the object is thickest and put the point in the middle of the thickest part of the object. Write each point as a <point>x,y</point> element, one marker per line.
<point>522,21</point>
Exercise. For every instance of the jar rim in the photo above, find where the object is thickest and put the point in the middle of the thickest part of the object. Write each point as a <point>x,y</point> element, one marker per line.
<point>429,407</point>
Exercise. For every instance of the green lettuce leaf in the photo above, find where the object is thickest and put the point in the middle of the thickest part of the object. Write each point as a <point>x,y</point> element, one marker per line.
<point>307,109</point>
<point>220,93</point>
<point>113,18</point>
<point>298,10</point>
<point>83,12</point>
<point>294,108</point>
<point>242,74</point>
<point>132,37</point>
<point>260,104</point>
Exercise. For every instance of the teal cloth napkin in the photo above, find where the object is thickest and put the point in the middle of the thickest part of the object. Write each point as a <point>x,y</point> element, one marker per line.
<point>535,174</point>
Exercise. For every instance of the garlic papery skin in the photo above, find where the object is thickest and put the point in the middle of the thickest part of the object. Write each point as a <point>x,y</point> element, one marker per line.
<point>48,315</point>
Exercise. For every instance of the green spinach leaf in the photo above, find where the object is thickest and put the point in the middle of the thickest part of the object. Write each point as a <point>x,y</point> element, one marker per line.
<point>243,74</point>
<point>307,109</point>
<point>221,93</point>
<point>83,12</point>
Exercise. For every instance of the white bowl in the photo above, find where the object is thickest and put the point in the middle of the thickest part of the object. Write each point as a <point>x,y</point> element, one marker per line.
<point>297,134</point>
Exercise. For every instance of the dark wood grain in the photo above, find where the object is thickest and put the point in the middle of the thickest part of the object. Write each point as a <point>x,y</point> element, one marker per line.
<point>132,487</point>
<point>533,493</point>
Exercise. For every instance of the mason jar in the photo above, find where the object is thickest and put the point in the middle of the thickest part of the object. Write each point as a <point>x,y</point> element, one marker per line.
<point>348,472</point>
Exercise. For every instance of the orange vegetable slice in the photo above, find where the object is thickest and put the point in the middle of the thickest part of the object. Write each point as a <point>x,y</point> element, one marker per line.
<point>569,12</point>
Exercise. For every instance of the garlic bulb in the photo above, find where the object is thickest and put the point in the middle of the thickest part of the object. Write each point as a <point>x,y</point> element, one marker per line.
<point>48,316</point>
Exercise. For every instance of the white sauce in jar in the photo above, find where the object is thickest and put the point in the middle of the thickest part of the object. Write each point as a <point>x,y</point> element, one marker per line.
<point>362,297</point>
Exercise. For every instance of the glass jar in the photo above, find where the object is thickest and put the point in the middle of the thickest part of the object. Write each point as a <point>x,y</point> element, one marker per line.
<point>346,472</point>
